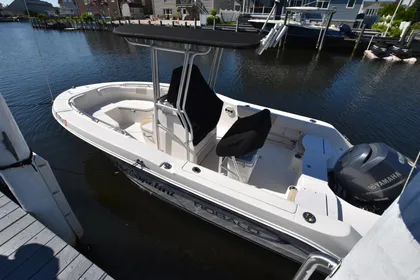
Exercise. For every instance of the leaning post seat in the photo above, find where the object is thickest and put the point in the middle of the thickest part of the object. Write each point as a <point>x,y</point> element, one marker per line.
<point>203,109</point>
<point>241,142</point>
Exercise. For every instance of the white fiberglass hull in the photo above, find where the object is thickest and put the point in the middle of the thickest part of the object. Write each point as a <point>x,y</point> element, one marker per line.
<point>217,215</point>
<point>261,211</point>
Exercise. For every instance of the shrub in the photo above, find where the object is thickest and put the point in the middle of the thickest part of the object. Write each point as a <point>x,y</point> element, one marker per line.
<point>213,12</point>
<point>87,18</point>
<point>42,16</point>
<point>210,20</point>
<point>394,32</point>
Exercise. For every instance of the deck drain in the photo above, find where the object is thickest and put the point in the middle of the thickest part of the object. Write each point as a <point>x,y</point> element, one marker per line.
<point>196,169</point>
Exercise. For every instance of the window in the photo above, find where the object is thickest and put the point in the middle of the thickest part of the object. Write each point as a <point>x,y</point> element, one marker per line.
<point>167,11</point>
<point>350,4</point>
<point>323,4</point>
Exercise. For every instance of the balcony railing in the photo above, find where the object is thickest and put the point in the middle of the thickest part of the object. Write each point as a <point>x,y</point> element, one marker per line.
<point>184,3</point>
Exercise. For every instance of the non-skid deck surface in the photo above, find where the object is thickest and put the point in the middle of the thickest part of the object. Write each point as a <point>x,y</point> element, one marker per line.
<point>28,250</point>
<point>274,171</point>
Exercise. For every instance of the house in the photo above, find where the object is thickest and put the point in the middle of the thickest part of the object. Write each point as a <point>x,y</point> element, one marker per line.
<point>112,8</point>
<point>17,7</point>
<point>100,8</point>
<point>68,8</point>
<point>369,12</point>
<point>407,3</point>
<point>136,9</point>
<point>346,10</point>
<point>168,8</point>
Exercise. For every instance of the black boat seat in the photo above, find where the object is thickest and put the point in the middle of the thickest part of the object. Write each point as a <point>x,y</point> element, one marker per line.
<point>245,135</point>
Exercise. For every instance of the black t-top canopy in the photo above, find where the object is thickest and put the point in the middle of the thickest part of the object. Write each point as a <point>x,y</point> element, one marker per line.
<point>202,37</point>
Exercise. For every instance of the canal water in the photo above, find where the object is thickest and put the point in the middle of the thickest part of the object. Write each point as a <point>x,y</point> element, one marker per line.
<point>133,235</point>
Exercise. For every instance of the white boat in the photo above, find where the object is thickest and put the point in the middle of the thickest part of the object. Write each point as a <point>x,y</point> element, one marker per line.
<point>257,172</point>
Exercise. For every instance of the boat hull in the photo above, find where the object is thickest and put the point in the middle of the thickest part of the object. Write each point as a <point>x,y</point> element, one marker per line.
<point>217,215</point>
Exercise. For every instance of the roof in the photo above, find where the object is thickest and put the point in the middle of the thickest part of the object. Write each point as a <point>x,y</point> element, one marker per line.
<point>372,5</point>
<point>304,9</point>
<point>202,37</point>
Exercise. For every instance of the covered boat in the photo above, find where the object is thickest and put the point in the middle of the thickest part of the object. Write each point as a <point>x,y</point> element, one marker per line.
<point>289,183</point>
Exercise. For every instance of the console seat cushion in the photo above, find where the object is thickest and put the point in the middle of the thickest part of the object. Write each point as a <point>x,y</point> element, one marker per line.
<point>245,135</point>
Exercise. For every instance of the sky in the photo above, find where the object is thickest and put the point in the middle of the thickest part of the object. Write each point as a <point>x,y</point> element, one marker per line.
<point>7,2</point>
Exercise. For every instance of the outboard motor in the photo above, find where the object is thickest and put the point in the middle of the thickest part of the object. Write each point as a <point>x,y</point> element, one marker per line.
<point>346,30</point>
<point>371,176</point>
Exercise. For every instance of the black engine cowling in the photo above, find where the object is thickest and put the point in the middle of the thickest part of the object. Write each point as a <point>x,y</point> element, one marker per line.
<point>371,176</point>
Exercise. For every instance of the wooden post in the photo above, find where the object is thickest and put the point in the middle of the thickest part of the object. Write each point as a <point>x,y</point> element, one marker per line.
<point>150,23</point>
<point>325,32</point>
<point>195,23</point>
<point>237,25</point>
<point>359,38</point>
<point>185,24</point>
<point>160,23</point>
<point>214,23</point>
<point>173,23</point>
<point>262,10</point>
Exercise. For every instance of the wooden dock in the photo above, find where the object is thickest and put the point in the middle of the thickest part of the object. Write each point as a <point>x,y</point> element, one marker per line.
<point>29,250</point>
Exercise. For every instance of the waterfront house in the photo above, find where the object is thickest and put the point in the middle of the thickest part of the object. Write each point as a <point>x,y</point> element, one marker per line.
<point>168,8</point>
<point>369,12</point>
<point>346,10</point>
<point>68,8</point>
<point>99,8</point>
<point>112,8</point>
<point>17,7</point>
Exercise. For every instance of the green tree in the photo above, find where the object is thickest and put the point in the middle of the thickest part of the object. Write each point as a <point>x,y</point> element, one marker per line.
<point>87,18</point>
<point>402,13</point>
<point>213,13</point>
<point>57,11</point>
<point>42,16</point>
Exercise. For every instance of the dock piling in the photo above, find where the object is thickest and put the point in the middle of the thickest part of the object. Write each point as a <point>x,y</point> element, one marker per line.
<point>359,38</point>
<point>321,44</point>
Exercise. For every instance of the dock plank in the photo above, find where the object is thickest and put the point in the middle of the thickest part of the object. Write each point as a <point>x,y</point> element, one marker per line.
<point>20,256</point>
<point>4,200</point>
<point>11,218</point>
<point>21,238</point>
<point>38,260</point>
<point>56,264</point>
<point>29,250</point>
<point>7,208</point>
<point>15,228</point>
<point>75,269</point>
<point>93,273</point>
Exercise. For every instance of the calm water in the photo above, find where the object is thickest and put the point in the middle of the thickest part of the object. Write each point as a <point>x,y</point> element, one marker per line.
<point>133,235</point>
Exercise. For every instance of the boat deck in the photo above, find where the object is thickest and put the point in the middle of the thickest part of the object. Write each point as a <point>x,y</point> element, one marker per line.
<point>29,250</point>
<point>275,171</point>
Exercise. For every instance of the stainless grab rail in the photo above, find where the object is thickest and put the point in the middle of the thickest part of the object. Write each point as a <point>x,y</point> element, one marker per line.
<point>312,262</point>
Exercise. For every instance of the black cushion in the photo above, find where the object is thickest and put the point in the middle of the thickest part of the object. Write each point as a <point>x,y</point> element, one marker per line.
<point>203,107</point>
<point>246,135</point>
